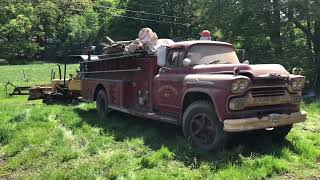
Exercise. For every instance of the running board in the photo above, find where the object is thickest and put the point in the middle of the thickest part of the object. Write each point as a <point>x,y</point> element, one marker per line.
<point>148,115</point>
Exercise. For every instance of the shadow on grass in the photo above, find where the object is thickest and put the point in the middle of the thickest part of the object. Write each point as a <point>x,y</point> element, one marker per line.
<point>309,101</point>
<point>156,134</point>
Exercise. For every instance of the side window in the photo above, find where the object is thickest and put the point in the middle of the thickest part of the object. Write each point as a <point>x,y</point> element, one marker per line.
<point>174,58</point>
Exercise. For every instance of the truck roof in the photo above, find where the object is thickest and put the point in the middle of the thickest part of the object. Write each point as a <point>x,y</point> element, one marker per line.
<point>187,44</point>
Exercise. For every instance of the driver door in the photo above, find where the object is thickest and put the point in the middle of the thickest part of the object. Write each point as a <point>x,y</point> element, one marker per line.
<point>169,82</point>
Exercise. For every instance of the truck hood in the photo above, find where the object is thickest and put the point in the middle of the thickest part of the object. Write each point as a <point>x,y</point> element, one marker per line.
<point>259,70</point>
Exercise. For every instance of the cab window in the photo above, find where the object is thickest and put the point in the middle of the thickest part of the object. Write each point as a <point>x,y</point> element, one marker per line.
<point>175,57</point>
<point>212,54</point>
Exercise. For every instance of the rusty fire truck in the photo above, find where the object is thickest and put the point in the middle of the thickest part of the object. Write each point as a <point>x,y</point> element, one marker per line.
<point>200,86</point>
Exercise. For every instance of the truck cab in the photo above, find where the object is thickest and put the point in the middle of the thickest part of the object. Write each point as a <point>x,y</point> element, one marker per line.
<point>200,86</point>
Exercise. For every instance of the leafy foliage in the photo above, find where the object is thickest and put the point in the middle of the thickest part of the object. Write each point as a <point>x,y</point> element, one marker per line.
<point>16,33</point>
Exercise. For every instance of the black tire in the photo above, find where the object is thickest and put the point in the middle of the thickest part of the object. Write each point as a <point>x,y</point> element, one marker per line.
<point>197,128</point>
<point>102,104</point>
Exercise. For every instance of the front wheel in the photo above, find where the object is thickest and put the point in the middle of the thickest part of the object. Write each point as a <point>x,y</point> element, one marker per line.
<point>201,125</point>
<point>102,104</point>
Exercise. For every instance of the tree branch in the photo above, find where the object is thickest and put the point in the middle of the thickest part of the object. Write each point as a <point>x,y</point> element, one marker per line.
<point>302,28</point>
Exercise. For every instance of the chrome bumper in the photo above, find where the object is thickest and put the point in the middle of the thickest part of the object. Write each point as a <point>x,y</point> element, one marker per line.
<point>271,120</point>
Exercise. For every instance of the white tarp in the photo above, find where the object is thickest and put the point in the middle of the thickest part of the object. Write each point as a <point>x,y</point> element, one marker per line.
<point>148,40</point>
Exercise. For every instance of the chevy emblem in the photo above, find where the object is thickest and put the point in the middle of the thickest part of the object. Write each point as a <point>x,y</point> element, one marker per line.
<point>274,118</point>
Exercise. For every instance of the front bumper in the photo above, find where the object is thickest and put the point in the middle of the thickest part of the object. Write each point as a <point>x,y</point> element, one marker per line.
<point>269,121</point>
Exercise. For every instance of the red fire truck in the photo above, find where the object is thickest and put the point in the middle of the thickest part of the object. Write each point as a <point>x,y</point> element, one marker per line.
<point>200,86</point>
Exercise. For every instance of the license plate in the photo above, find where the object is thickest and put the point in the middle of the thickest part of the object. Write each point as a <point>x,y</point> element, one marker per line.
<point>275,118</point>
<point>264,100</point>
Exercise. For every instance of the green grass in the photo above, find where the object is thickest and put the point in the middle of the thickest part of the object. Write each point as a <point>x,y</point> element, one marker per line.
<point>40,141</point>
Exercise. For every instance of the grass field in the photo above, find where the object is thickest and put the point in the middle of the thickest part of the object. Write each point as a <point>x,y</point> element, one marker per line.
<point>40,141</point>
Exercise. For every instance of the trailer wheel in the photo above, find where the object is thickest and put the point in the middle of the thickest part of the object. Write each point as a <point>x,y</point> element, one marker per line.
<point>201,125</point>
<point>102,104</point>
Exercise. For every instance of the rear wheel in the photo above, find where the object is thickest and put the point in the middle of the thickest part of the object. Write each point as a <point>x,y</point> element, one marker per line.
<point>202,126</point>
<point>102,104</point>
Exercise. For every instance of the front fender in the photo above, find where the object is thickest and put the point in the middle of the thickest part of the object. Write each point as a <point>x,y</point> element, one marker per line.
<point>216,86</point>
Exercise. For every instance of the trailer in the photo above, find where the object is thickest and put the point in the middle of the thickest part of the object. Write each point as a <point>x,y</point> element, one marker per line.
<point>62,89</point>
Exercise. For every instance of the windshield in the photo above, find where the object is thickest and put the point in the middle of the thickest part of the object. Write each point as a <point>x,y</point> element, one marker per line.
<point>212,54</point>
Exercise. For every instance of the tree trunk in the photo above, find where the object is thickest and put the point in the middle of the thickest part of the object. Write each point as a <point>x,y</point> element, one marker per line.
<point>309,38</point>
<point>275,30</point>
<point>316,41</point>
<point>290,17</point>
<point>316,49</point>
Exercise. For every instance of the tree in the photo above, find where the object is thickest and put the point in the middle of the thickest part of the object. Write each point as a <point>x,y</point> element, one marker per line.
<point>15,32</point>
<point>104,10</point>
<point>305,16</point>
<point>47,13</point>
<point>78,31</point>
<point>169,19</point>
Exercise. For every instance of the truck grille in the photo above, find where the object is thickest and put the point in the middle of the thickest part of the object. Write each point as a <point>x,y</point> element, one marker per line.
<point>269,82</point>
<point>264,92</point>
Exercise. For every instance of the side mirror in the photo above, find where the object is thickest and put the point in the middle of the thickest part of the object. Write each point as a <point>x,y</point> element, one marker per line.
<point>186,62</point>
<point>161,56</point>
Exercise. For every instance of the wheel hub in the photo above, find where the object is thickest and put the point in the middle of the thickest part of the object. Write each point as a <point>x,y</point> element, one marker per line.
<point>202,129</point>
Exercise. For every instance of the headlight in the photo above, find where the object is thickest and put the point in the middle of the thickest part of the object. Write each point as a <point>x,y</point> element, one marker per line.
<point>237,103</point>
<point>239,86</point>
<point>297,83</point>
